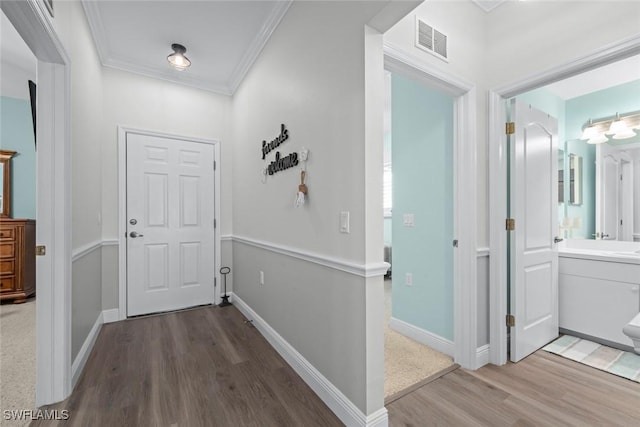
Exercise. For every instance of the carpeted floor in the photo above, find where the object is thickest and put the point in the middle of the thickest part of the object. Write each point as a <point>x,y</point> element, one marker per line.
<point>618,362</point>
<point>17,359</point>
<point>407,362</point>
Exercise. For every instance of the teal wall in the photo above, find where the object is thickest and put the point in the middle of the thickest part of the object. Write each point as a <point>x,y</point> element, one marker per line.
<point>16,133</point>
<point>387,231</point>
<point>422,159</point>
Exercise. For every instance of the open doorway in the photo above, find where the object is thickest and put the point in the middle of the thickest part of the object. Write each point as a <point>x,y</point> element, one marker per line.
<point>17,224</point>
<point>418,195</point>
<point>599,273</point>
<point>32,20</point>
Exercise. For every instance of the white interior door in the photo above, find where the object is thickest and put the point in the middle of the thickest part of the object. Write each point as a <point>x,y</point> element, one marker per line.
<point>608,201</point>
<point>534,256</point>
<point>170,224</point>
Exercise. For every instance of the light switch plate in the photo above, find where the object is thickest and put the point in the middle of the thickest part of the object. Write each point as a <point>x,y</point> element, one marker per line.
<point>344,222</point>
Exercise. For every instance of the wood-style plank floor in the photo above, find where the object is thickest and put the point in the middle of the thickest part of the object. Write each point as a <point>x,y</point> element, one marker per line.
<point>200,367</point>
<point>542,390</point>
<point>207,367</point>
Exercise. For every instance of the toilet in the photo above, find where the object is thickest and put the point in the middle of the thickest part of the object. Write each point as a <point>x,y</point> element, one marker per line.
<point>632,330</point>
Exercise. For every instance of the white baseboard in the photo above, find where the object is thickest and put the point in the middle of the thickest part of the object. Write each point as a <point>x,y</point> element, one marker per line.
<point>109,316</point>
<point>482,356</point>
<point>85,350</point>
<point>434,341</point>
<point>344,409</point>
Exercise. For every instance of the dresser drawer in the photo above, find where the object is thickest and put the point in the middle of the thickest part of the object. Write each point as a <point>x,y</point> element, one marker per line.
<point>7,250</point>
<point>7,266</point>
<point>8,234</point>
<point>7,284</point>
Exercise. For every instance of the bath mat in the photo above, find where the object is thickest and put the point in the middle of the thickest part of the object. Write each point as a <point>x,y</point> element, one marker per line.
<point>618,362</point>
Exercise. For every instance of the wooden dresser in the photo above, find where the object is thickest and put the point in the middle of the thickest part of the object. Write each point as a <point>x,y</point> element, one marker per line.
<point>17,259</point>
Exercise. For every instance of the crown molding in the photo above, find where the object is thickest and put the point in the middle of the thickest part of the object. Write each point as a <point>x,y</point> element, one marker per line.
<point>109,59</point>
<point>98,31</point>
<point>166,75</point>
<point>488,5</point>
<point>258,43</point>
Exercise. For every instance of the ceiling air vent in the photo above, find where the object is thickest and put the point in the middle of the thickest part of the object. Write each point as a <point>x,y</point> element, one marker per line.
<point>431,40</point>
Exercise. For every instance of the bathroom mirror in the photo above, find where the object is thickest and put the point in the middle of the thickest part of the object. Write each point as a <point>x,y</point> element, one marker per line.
<point>5,183</point>
<point>575,179</point>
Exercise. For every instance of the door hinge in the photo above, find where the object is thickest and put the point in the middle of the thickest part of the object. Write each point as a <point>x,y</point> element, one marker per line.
<point>215,282</point>
<point>455,243</point>
<point>41,250</point>
<point>214,165</point>
<point>510,224</point>
<point>510,128</point>
<point>215,223</point>
<point>511,320</point>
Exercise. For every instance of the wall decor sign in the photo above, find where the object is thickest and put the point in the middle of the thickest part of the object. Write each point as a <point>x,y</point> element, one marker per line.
<point>267,147</point>
<point>281,162</point>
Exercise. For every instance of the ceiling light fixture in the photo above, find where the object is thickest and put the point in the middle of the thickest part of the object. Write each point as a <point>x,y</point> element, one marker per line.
<point>177,58</point>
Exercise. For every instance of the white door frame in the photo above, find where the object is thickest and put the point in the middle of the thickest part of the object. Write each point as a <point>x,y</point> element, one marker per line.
<point>498,176</point>
<point>122,210</point>
<point>465,274</point>
<point>53,194</point>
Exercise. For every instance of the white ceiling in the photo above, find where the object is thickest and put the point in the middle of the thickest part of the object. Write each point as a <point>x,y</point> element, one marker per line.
<point>601,78</point>
<point>223,38</point>
<point>488,5</point>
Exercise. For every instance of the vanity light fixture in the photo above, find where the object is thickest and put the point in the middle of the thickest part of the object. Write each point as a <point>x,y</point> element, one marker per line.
<point>177,58</point>
<point>619,126</point>
<point>597,138</point>
<point>620,130</point>
<point>590,131</point>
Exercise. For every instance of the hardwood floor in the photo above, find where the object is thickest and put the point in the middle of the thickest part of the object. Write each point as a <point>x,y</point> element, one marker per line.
<point>200,367</point>
<point>541,390</point>
<point>207,367</point>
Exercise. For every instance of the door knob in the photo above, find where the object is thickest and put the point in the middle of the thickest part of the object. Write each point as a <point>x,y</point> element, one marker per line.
<point>135,234</point>
<point>557,239</point>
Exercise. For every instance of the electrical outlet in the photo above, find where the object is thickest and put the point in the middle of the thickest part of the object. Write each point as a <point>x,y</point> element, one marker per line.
<point>408,279</point>
<point>408,220</point>
<point>262,277</point>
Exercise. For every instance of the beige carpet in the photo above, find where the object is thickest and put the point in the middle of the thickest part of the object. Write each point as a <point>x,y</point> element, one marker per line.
<point>407,362</point>
<point>17,359</point>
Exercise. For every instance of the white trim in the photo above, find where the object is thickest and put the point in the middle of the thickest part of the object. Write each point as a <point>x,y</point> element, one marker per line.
<point>605,55</point>
<point>482,356</point>
<point>110,316</point>
<point>226,237</point>
<point>344,408</point>
<point>109,59</point>
<point>122,209</point>
<point>85,250</point>
<point>361,270</point>
<point>482,252</point>
<point>497,174</point>
<point>425,337</point>
<point>465,277</point>
<point>85,351</point>
<point>53,226</point>
<point>257,44</point>
<point>90,247</point>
